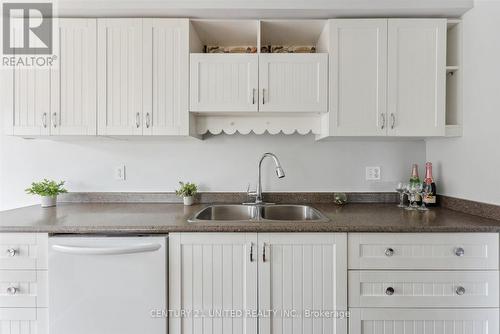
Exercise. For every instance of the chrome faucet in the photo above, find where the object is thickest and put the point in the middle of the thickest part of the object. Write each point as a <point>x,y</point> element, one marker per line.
<point>279,172</point>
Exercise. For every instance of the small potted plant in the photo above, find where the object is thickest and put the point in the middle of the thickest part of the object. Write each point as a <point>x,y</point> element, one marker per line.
<point>48,191</point>
<point>187,191</point>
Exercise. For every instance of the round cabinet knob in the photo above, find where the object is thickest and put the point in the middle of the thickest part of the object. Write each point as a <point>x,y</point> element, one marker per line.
<point>460,290</point>
<point>11,252</point>
<point>11,290</point>
<point>389,291</point>
<point>389,252</point>
<point>459,251</point>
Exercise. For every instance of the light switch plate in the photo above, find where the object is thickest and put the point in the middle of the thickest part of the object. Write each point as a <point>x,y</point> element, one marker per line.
<point>372,173</point>
<point>120,173</point>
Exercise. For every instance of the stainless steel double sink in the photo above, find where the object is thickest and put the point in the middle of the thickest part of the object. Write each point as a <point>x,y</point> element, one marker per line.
<point>258,213</point>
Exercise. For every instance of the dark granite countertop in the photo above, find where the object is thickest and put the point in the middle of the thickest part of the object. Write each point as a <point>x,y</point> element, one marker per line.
<point>164,218</point>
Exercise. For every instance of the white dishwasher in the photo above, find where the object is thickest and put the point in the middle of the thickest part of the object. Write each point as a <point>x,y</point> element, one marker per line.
<point>107,285</point>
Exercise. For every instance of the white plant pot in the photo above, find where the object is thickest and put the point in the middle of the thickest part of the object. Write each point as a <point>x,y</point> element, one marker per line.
<point>188,200</point>
<point>48,201</point>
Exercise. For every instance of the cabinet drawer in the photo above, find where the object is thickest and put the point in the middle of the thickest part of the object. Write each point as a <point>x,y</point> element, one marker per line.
<point>445,251</point>
<point>423,321</point>
<point>24,321</point>
<point>423,289</point>
<point>26,288</point>
<point>23,251</point>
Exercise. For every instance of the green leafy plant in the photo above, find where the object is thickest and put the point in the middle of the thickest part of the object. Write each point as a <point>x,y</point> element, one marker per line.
<point>186,189</point>
<point>46,188</point>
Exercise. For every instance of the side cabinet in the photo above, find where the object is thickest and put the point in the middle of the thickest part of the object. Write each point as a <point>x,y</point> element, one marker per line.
<point>224,82</point>
<point>73,84</point>
<point>212,272</point>
<point>298,273</point>
<point>416,77</point>
<point>293,82</point>
<point>120,75</point>
<point>358,72</point>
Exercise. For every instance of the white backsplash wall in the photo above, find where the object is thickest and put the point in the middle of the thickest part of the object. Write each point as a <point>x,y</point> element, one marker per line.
<point>218,164</point>
<point>469,167</point>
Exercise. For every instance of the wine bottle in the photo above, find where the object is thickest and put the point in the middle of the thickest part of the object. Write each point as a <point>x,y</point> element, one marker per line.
<point>430,198</point>
<point>415,181</point>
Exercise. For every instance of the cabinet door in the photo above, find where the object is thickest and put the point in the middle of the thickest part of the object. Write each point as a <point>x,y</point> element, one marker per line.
<point>224,82</point>
<point>24,320</point>
<point>166,77</point>
<point>119,81</point>
<point>213,272</point>
<point>359,77</point>
<point>416,77</point>
<point>302,272</point>
<point>293,82</point>
<point>423,321</point>
<point>73,84</point>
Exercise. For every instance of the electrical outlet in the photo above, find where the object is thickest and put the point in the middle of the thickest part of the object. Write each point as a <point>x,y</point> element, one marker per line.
<point>120,173</point>
<point>372,173</point>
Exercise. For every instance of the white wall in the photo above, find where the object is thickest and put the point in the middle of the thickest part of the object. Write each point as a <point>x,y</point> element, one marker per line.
<point>220,163</point>
<point>469,167</point>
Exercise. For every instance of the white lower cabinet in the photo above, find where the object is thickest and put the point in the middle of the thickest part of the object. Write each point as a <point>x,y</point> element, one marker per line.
<point>24,321</point>
<point>292,274</point>
<point>423,321</point>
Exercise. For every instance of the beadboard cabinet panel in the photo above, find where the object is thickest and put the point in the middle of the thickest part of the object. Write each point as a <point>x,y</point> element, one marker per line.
<point>120,75</point>
<point>293,82</point>
<point>447,289</point>
<point>166,87</point>
<point>458,251</point>
<point>73,84</point>
<point>302,272</point>
<point>224,82</point>
<point>358,94</point>
<point>24,321</point>
<point>424,321</point>
<point>213,271</point>
<point>416,77</point>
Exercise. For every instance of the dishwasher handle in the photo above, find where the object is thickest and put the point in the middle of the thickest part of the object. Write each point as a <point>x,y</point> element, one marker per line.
<point>84,250</point>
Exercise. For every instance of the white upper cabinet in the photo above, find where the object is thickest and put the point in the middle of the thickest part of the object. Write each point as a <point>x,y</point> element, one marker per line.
<point>120,74</point>
<point>302,272</point>
<point>224,82</point>
<point>166,70</point>
<point>293,82</point>
<point>73,84</point>
<point>358,67</point>
<point>416,77</point>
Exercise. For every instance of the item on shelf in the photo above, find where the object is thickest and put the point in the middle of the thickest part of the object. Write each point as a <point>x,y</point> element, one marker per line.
<point>48,191</point>
<point>229,49</point>
<point>287,49</point>
<point>430,198</point>
<point>340,198</point>
<point>187,191</point>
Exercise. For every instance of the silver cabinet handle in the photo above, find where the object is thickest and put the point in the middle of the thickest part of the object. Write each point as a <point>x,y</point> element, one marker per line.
<point>264,252</point>
<point>459,251</point>
<point>253,96</point>
<point>393,124</point>
<point>137,120</point>
<point>148,120</point>
<point>54,120</point>
<point>389,252</point>
<point>11,252</point>
<point>382,116</point>
<point>44,119</point>
<point>251,252</point>
<point>389,291</point>
<point>460,290</point>
<point>12,290</point>
<point>263,96</point>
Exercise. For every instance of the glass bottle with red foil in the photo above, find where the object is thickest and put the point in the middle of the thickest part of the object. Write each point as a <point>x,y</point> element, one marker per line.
<point>430,198</point>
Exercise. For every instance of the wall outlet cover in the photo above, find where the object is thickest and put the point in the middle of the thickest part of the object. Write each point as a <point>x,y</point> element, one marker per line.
<point>373,173</point>
<point>120,173</point>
